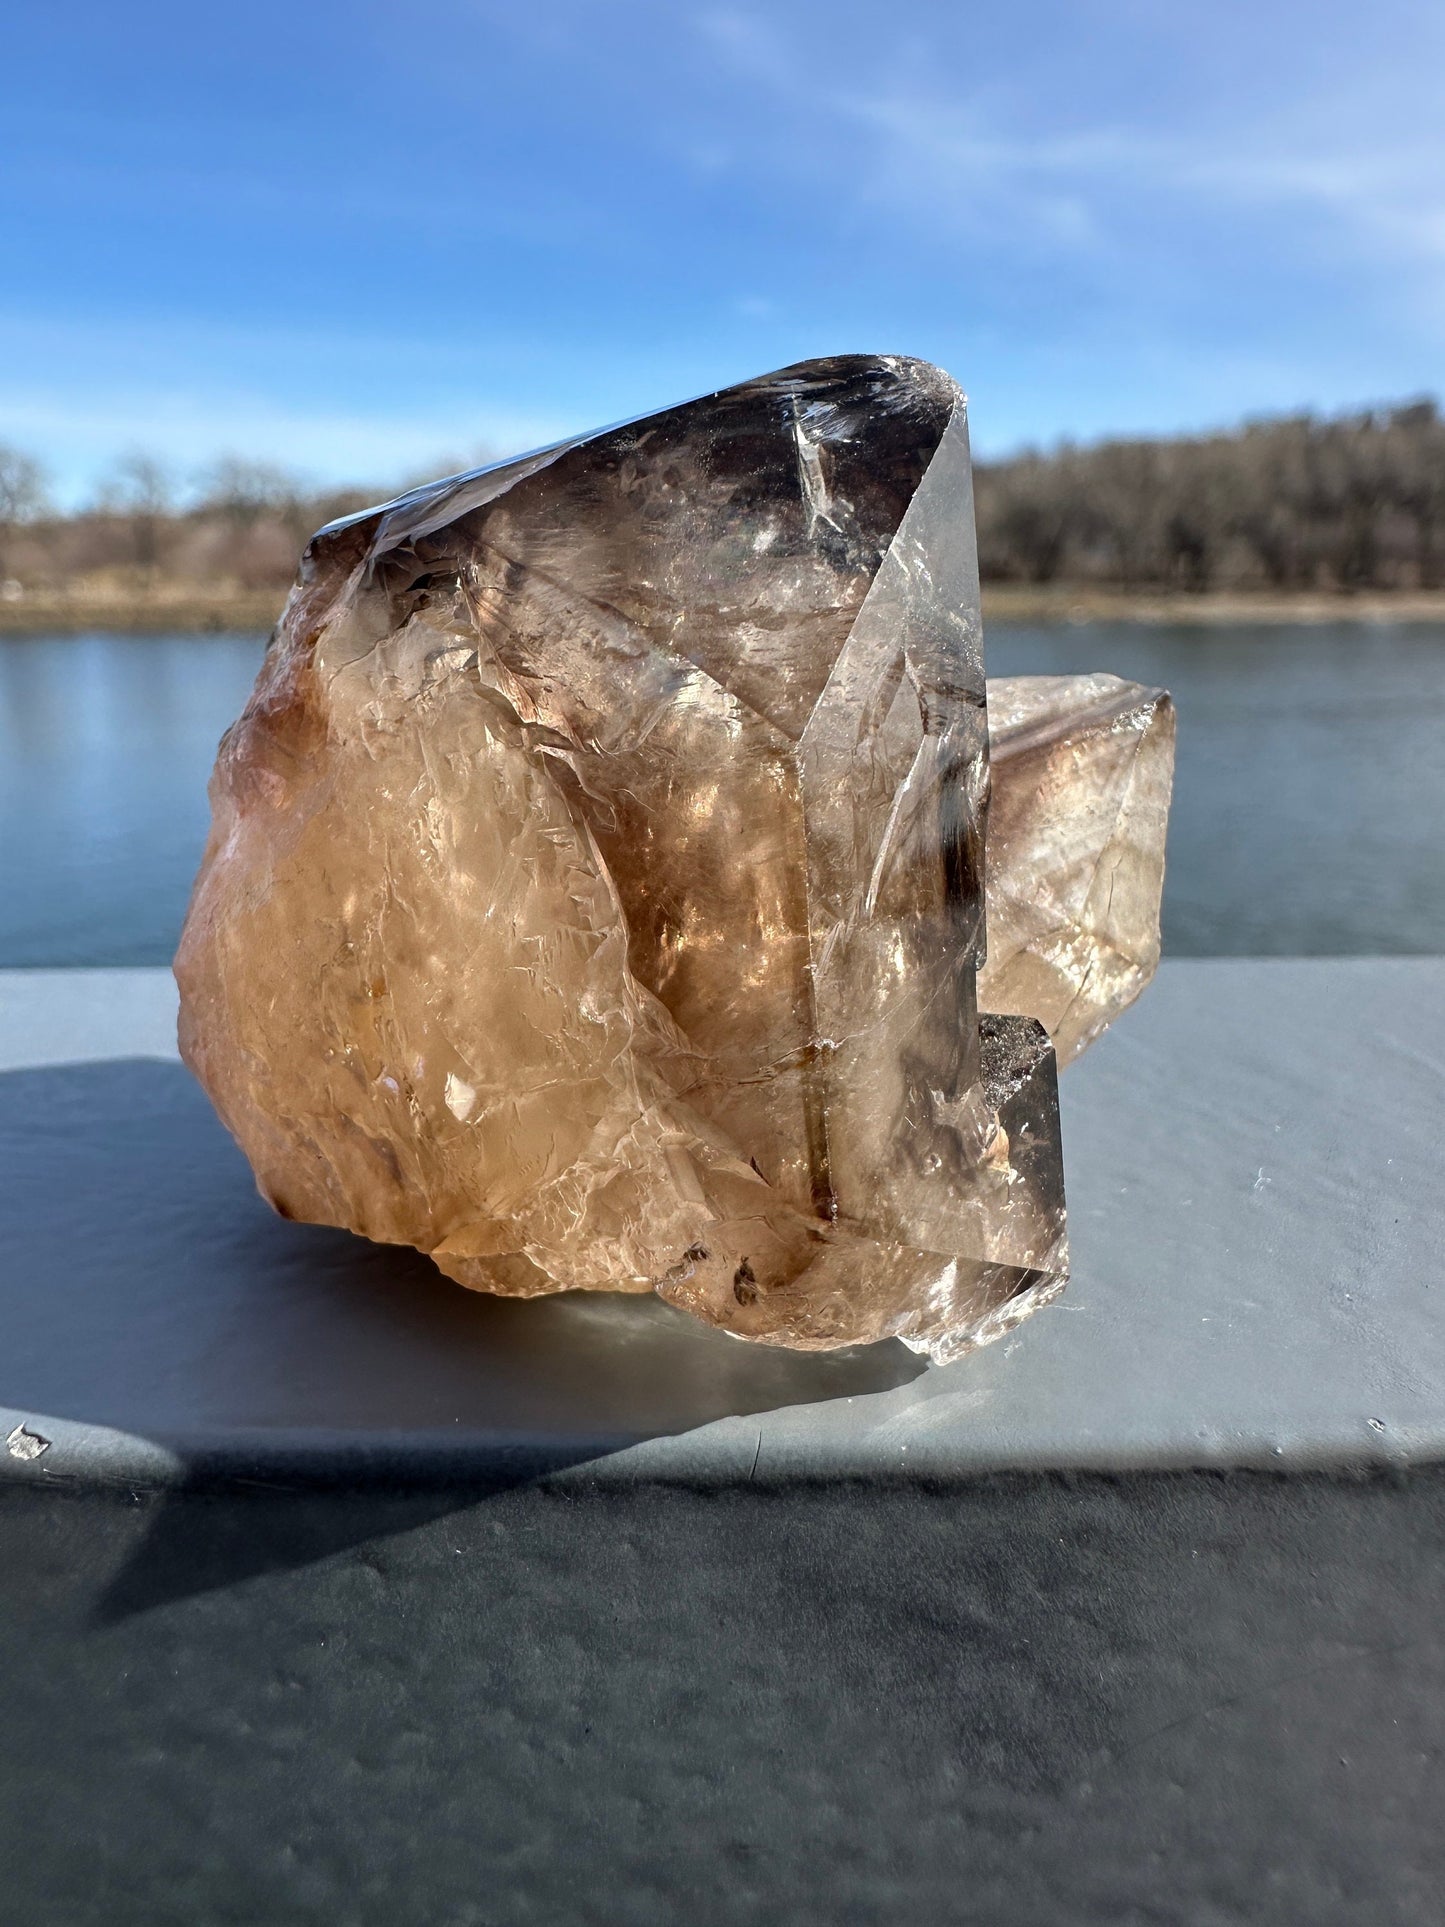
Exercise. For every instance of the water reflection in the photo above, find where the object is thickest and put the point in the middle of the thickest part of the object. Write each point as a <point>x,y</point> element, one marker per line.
<point>1310,793</point>
<point>1310,784</point>
<point>106,743</point>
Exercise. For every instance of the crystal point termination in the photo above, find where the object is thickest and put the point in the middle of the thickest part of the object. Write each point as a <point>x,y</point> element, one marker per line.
<point>594,897</point>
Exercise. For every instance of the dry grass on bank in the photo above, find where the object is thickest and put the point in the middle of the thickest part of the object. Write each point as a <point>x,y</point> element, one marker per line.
<point>117,601</point>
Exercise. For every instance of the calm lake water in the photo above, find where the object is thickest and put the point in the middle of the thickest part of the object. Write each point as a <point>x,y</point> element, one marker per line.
<point>1308,817</point>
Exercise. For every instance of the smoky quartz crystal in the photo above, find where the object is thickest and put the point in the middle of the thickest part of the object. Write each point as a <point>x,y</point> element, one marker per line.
<point>595,895</point>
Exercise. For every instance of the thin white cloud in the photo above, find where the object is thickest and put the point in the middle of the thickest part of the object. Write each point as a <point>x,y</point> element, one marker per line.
<point>1366,155</point>
<point>1077,190</point>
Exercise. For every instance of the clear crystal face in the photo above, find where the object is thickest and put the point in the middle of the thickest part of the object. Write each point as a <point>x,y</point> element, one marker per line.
<point>1082,772</point>
<point>595,898</point>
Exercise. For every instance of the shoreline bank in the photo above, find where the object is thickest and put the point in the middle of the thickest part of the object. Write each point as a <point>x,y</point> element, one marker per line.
<point>182,609</point>
<point>1007,602</point>
<point>166,612</point>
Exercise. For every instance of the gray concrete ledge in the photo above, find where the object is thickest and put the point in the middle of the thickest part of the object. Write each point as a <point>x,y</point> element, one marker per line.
<point>1253,1162</point>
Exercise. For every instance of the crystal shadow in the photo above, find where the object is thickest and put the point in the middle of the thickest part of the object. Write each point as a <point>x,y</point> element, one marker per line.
<point>148,1289</point>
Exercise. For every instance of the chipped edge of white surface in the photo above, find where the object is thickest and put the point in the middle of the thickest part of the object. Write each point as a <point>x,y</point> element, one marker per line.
<point>25,1445</point>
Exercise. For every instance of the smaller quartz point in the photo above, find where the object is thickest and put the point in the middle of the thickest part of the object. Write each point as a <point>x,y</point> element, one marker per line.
<point>1082,770</point>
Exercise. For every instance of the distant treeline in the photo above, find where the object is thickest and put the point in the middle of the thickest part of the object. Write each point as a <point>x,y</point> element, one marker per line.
<point>241,524</point>
<point>1301,503</point>
<point>1353,502</point>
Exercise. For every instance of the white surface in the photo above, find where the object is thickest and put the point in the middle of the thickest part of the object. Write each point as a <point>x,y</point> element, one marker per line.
<point>77,1016</point>
<point>1253,1161</point>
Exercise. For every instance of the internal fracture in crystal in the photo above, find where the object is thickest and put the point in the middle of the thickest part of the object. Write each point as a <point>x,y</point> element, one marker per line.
<point>595,891</point>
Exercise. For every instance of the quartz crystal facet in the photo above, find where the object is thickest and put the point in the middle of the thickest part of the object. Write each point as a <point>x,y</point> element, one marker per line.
<point>1082,772</point>
<point>595,898</point>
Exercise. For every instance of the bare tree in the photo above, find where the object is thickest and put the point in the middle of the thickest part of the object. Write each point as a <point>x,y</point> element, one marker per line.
<point>1415,432</point>
<point>142,492</point>
<point>243,491</point>
<point>23,497</point>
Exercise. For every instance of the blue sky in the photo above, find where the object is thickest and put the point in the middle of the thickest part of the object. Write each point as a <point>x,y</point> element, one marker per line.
<point>365,239</point>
